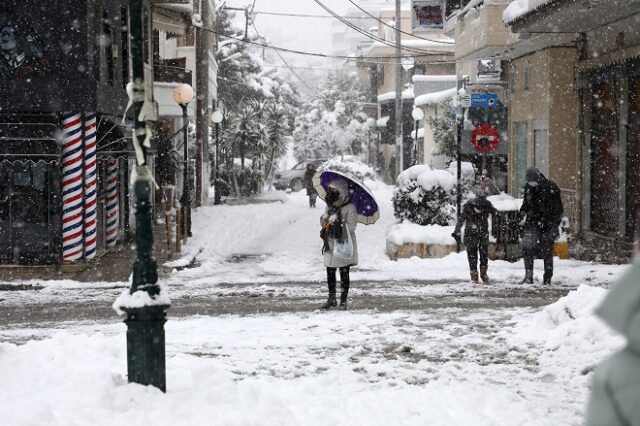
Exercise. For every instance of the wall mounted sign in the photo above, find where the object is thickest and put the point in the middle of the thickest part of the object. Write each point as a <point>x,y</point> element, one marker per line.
<point>427,15</point>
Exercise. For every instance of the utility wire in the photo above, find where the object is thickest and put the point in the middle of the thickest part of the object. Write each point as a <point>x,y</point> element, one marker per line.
<point>253,23</point>
<point>398,29</point>
<point>366,33</point>
<point>370,59</point>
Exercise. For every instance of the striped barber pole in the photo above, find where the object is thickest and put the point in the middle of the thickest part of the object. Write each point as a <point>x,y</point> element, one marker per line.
<point>72,183</point>
<point>90,185</point>
<point>113,209</point>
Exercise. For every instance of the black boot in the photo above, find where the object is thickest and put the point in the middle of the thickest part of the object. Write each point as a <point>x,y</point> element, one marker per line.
<point>528,277</point>
<point>344,286</point>
<point>331,281</point>
<point>546,280</point>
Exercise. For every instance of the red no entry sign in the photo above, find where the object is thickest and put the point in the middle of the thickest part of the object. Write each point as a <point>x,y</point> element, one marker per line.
<point>485,138</point>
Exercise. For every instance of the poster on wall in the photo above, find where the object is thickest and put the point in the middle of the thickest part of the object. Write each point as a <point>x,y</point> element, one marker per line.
<point>427,16</point>
<point>21,53</point>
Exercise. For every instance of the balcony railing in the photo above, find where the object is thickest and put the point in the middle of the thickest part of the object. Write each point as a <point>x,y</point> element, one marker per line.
<point>168,74</point>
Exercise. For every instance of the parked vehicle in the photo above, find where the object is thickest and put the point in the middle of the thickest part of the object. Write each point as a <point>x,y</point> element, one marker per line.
<point>294,178</point>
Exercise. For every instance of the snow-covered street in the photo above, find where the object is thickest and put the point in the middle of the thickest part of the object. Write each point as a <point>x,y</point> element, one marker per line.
<point>245,346</point>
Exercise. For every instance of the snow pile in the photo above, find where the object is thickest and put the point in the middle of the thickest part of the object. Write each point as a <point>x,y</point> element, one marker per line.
<point>505,202</point>
<point>436,97</point>
<point>411,233</point>
<point>140,299</point>
<point>412,173</point>
<point>569,330</point>
<point>350,166</point>
<point>519,8</point>
<point>433,178</point>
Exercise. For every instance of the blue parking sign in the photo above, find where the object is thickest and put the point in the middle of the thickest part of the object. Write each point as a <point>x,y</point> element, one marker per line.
<point>484,100</point>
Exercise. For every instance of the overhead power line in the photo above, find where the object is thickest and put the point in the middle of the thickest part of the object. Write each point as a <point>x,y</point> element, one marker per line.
<point>366,33</point>
<point>398,29</point>
<point>370,59</point>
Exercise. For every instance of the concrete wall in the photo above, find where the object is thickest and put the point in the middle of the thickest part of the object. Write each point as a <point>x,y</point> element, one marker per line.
<point>550,102</point>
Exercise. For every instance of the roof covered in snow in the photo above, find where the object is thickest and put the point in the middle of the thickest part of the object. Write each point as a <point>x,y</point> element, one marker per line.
<point>434,98</point>
<point>520,9</point>
<point>406,94</point>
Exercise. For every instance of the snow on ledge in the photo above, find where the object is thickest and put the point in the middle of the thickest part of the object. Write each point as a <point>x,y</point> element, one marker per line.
<point>434,78</point>
<point>435,97</point>
<point>406,94</point>
<point>417,234</point>
<point>140,299</point>
<point>505,202</point>
<point>521,8</point>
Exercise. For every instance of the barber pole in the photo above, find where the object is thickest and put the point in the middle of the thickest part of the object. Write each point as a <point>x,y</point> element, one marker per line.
<point>72,185</point>
<point>90,185</point>
<point>113,209</point>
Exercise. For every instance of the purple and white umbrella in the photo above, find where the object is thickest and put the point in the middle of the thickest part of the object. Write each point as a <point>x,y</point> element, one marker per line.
<point>359,194</point>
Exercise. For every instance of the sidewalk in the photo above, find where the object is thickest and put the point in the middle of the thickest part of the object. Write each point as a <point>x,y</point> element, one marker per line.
<point>115,265</point>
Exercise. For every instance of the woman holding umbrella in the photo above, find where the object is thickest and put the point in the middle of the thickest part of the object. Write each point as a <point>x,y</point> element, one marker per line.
<point>348,202</point>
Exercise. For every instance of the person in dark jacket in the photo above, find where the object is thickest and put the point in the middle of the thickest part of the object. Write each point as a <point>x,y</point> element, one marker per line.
<point>308,183</point>
<point>475,214</point>
<point>540,217</point>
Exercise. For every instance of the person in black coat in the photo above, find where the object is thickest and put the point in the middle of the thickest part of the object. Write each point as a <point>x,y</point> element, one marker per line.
<point>475,213</point>
<point>308,183</point>
<point>540,217</point>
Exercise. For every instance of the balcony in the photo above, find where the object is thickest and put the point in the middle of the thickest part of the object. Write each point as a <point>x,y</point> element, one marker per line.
<point>172,74</point>
<point>481,33</point>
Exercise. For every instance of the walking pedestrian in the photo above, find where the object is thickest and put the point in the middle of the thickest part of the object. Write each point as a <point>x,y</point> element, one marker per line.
<point>339,223</point>
<point>308,183</point>
<point>475,214</point>
<point>540,217</point>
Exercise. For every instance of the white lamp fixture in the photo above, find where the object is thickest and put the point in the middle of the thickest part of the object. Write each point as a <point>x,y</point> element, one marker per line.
<point>417,114</point>
<point>371,123</point>
<point>183,94</point>
<point>216,116</point>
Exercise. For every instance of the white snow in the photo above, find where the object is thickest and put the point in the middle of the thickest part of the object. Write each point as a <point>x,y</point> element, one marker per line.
<point>382,122</point>
<point>505,202</point>
<point>406,94</point>
<point>418,234</point>
<point>435,97</point>
<point>434,78</point>
<point>438,366</point>
<point>520,8</point>
<point>141,299</point>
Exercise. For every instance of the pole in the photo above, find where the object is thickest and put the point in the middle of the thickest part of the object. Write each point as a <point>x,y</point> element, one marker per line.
<point>414,152</point>
<point>185,200</point>
<point>202,104</point>
<point>398,129</point>
<point>216,187</point>
<point>145,325</point>
<point>459,123</point>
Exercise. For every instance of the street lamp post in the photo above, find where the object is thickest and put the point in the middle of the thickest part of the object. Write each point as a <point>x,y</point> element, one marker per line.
<point>371,124</point>
<point>417,114</point>
<point>217,118</point>
<point>145,323</point>
<point>183,94</point>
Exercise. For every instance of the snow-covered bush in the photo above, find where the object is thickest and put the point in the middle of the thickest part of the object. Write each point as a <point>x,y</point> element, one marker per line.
<point>425,196</point>
<point>350,166</point>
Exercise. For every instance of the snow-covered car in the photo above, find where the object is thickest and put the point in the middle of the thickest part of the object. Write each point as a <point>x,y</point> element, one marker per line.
<point>294,177</point>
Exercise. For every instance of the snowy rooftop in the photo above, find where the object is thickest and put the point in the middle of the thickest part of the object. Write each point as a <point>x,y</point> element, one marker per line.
<point>432,78</point>
<point>434,98</point>
<point>519,9</point>
<point>406,94</point>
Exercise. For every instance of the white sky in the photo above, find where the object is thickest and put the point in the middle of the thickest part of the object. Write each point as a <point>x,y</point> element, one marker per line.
<point>307,34</point>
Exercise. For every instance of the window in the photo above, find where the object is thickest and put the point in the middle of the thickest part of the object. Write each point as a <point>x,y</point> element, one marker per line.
<point>520,139</point>
<point>527,76</point>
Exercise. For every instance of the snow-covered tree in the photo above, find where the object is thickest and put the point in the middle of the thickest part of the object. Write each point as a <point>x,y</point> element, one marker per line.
<point>444,129</point>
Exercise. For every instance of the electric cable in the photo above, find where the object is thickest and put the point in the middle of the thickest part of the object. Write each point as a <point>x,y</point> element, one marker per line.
<point>368,34</point>
<point>396,28</point>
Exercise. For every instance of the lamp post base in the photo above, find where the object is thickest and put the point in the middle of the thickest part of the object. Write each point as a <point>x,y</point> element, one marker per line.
<point>146,345</point>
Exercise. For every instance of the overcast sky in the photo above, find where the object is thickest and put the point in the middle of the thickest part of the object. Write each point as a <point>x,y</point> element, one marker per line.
<point>308,34</point>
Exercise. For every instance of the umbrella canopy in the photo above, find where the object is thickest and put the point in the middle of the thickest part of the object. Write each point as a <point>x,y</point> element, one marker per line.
<point>359,194</point>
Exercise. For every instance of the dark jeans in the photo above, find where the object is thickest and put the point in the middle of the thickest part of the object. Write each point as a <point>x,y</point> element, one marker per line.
<point>473,251</point>
<point>312,200</point>
<point>538,244</point>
